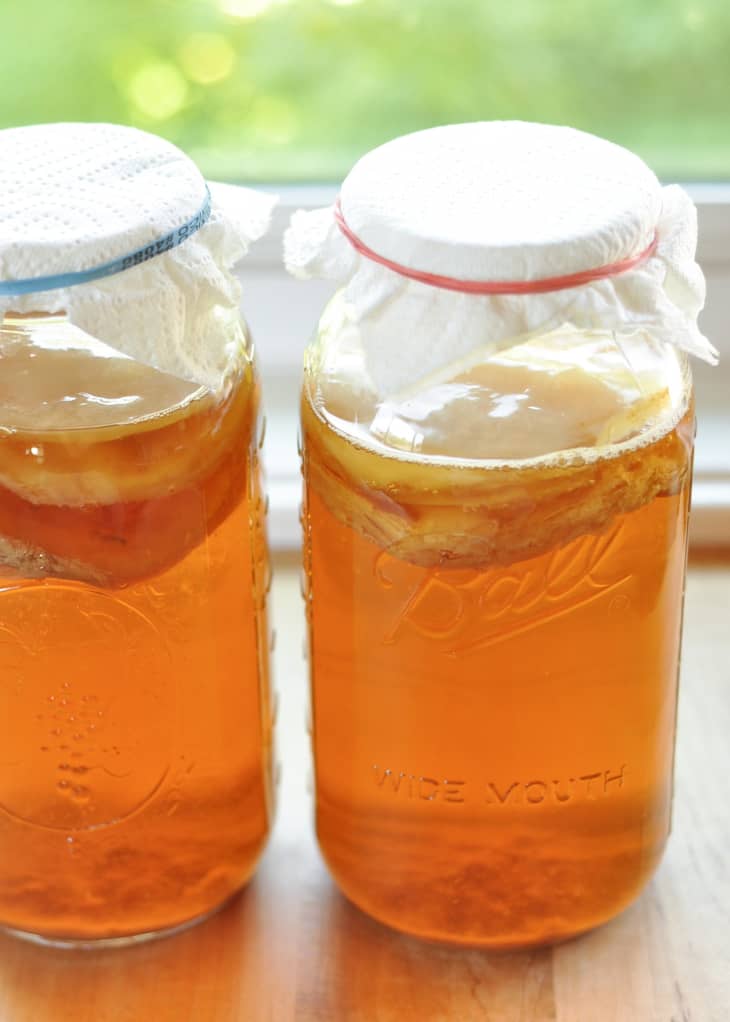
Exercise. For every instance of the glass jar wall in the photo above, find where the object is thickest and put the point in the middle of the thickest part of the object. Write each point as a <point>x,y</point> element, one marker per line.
<point>495,565</point>
<point>135,778</point>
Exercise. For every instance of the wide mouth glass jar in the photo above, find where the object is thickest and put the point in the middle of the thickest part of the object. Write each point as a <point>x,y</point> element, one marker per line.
<point>135,780</point>
<point>495,546</point>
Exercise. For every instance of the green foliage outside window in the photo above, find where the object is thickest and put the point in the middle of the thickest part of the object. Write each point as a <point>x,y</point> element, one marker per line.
<point>296,89</point>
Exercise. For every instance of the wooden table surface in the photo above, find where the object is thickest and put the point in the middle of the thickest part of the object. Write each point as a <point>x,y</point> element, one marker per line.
<point>290,948</point>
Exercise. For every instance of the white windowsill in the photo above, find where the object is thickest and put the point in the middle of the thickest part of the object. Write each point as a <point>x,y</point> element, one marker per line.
<point>283,314</point>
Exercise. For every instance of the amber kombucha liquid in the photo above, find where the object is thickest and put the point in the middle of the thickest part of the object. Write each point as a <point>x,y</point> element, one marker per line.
<point>135,787</point>
<point>494,654</point>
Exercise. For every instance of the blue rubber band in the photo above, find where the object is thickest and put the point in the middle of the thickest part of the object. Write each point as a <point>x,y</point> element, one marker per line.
<point>32,285</point>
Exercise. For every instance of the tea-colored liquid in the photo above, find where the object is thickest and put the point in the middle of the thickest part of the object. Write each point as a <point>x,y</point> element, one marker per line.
<point>494,654</point>
<point>135,761</point>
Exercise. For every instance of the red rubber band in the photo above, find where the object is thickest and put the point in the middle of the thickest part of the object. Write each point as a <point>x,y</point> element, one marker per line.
<point>495,287</point>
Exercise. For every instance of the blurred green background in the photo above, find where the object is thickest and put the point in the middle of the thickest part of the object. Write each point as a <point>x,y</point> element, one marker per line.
<point>295,90</point>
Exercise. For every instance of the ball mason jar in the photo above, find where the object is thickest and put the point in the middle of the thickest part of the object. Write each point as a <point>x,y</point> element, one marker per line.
<point>498,427</point>
<point>135,773</point>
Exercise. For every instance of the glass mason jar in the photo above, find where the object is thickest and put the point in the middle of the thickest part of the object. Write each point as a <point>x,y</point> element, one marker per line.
<point>495,558</point>
<point>135,775</point>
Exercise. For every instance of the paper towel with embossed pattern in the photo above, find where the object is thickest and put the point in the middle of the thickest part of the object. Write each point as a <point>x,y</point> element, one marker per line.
<point>74,196</point>
<point>502,201</point>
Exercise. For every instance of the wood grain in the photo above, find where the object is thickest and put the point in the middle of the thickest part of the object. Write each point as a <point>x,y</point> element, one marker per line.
<point>290,948</point>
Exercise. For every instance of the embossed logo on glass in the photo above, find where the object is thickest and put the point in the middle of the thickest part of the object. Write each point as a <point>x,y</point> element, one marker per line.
<point>467,609</point>
<point>548,791</point>
<point>84,700</point>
